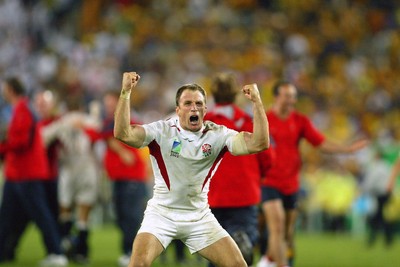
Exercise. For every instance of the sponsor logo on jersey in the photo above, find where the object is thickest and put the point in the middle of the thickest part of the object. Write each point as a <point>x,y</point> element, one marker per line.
<point>206,148</point>
<point>176,149</point>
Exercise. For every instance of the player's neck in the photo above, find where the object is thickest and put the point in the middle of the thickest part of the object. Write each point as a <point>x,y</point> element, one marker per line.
<point>281,112</point>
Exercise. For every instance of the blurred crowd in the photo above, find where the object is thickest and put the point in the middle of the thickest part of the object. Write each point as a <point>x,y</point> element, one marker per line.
<point>342,55</point>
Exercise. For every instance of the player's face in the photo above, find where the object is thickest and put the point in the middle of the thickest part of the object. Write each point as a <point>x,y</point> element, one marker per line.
<point>44,104</point>
<point>110,104</point>
<point>191,110</point>
<point>287,97</point>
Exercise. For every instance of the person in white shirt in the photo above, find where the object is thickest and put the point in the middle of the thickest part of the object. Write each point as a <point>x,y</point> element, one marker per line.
<point>185,152</point>
<point>379,183</point>
<point>78,179</point>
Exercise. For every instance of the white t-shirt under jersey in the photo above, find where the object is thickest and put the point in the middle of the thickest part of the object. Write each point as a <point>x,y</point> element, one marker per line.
<point>183,163</point>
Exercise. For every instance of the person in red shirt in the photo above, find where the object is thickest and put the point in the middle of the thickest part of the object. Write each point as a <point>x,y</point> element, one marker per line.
<point>25,170</point>
<point>235,188</point>
<point>127,169</point>
<point>281,183</point>
<point>44,107</point>
<point>44,103</point>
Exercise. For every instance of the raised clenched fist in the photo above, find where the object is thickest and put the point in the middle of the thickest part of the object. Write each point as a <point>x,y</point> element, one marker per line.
<point>129,80</point>
<point>251,92</point>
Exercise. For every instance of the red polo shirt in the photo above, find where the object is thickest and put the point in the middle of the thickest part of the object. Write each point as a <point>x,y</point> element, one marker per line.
<point>52,150</point>
<point>285,136</point>
<point>236,183</point>
<point>24,151</point>
<point>116,169</point>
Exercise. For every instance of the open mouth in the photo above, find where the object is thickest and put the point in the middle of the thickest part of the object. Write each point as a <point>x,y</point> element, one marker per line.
<point>194,119</point>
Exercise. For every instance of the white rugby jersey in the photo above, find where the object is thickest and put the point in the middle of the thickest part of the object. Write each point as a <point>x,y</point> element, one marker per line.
<point>183,162</point>
<point>77,146</point>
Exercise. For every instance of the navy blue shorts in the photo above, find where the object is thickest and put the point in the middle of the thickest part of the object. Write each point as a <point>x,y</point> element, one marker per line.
<point>269,193</point>
<point>239,219</point>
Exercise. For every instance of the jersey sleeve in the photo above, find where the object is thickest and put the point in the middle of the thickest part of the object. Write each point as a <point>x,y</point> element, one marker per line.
<point>229,134</point>
<point>152,131</point>
<point>312,134</point>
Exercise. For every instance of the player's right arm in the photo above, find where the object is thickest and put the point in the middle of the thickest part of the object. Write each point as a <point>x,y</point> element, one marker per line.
<point>132,135</point>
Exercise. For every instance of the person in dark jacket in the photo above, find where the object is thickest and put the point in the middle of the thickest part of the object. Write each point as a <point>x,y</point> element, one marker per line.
<point>25,170</point>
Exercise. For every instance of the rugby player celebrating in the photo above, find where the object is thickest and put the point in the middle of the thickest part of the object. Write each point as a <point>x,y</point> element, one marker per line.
<point>185,152</point>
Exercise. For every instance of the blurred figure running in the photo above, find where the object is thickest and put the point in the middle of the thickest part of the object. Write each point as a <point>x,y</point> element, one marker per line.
<point>281,184</point>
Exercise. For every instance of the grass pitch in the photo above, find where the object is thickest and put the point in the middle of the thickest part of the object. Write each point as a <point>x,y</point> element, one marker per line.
<point>313,250</point>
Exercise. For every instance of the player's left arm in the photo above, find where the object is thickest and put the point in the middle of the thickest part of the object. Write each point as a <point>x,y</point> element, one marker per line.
<point>328,146</point>
<point>317,139</point>
<point>52,131</point>
<point>248,143</point>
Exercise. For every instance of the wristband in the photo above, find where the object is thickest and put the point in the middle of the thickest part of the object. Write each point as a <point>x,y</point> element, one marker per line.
<point>125,94</point>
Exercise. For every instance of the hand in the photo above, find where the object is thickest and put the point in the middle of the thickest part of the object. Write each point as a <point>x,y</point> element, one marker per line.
<point>251,92</point>
<point>129,81</point>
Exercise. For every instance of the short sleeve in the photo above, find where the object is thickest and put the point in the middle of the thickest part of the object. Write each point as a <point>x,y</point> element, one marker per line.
<point>311,134</point>
<point>153,131</point>
<point>229,134</point>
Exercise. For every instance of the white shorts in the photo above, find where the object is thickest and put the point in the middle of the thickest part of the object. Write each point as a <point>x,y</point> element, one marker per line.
<point>196,234</point>
<point>78,185</point>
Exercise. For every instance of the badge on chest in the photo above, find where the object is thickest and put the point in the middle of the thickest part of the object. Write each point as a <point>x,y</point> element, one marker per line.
<point>176,148</point>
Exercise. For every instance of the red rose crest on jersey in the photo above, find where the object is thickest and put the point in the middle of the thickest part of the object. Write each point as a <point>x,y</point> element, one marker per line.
<point>206,150</point>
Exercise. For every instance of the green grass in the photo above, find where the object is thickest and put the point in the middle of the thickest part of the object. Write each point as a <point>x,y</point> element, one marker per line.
<point>313,250</point>
<point>343,251</point>
<point>104,250</point>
